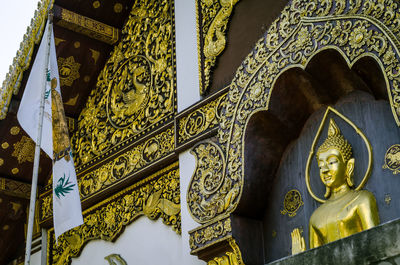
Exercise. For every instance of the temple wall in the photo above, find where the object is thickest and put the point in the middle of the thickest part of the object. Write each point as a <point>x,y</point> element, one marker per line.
<point>186,60</point>
<point>186,168</point>
<point>143,242</point>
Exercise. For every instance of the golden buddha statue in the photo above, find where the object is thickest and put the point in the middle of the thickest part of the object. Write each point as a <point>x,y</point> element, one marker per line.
<point>346,211</point>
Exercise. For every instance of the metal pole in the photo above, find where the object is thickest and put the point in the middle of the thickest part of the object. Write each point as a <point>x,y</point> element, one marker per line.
<point>43,258</point>
<point>37,151</point>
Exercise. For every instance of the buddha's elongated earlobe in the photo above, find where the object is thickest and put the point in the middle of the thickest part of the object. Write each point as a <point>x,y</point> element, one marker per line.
<point>327,192</point>
<point>349,172</point>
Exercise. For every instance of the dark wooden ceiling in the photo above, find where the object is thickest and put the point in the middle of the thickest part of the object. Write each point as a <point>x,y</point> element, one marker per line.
<point>85,32</point>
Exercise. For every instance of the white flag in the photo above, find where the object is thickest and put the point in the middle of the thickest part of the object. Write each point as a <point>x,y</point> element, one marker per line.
<point>67,212</point>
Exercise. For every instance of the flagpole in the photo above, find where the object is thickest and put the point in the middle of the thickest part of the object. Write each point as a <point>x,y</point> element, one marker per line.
<point>37,149</point>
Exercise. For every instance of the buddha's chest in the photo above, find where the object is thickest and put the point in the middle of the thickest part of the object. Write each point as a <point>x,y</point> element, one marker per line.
<point>337,220</point>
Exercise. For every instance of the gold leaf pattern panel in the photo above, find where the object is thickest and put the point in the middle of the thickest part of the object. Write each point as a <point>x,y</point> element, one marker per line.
<point>116,170</point>
<point>136,90</point>
<point>214,15</point>
<point>157,196</point>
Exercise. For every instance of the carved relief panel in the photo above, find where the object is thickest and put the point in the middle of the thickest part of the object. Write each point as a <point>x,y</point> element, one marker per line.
<point>136,89</point>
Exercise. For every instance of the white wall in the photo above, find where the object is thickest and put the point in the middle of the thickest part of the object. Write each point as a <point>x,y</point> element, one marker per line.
<point>144,242</point>
<point>187,165</point>
<point>36,258</point>
<point>186,54</point>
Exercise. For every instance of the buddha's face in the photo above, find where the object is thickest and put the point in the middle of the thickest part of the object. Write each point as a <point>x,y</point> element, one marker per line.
<point>332,168</point>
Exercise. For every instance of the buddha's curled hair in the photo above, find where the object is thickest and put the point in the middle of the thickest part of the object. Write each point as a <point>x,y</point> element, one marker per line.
<point>336,140</point>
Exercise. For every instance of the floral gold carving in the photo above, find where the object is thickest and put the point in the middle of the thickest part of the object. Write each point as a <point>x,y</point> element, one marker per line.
<point>14,130</point>
<point>118,8</point>
<point>15,188</point>
<point>15,171</point>
<point>200,120</point>
<point>121,167</point>
<point>5,145</point>
<point>209,194</point>
<point>292,203</point>
<point>353,28</point>
<point>135,90</point>
<point>22,60</point>
<point>215,16</point>
<point>46,207</point>
<point>392,159</point>
<point>155,197</point>
<point>24,150</point>
<point>87,26</point>
<point>69,70</point>
<point>208,234</point>
<point>126,164</point>
<point>233,257</point>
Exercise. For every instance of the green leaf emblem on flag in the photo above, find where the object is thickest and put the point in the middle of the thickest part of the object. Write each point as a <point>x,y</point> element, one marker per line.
<point>63,187</point>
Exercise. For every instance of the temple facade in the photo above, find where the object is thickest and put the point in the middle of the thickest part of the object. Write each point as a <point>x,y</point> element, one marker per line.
<point>215,132</point>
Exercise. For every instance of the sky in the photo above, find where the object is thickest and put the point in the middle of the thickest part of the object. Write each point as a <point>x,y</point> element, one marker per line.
<point>15,17</point>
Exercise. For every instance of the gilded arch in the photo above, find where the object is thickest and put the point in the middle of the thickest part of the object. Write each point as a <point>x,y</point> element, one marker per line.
<point>353,28</point>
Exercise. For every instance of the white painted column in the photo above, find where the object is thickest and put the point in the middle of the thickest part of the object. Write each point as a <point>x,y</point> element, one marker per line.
<point>188,93</point>
<point>186,54</point>
<point>187,165</point>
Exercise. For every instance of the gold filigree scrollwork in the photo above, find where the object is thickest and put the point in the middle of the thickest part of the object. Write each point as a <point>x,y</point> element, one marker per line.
<point>24,150</point>
<point>355,29</point>
<point>136,88</point>
<point>69,70</point>
<point>209,194</point>
<point>215,16</point>
<point>23,58</point>
<point>156,197</point>
<point>200,120</point>
<point>292,203</point>
<point>124,165</point>
<point>392,159</point>
<point>206,235</point>
<point>233,257</point>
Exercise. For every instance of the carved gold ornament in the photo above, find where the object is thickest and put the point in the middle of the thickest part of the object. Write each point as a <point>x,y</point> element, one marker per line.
<point>233,257</point>
<point>215,16</point>
<point>24,150</point>
<point>392,159</point>
<point>138,157</point>
<point>156,197</point>
<point>5,145</point>
<point>200,120</point>
<point>128,92</point>
<point>209,234</point>
<point>68,69</point>
<point>118,8</point>
<point>15,189</point>
<point>209,194</point>
<point>292,203</point>
<point>15,171</point>
<point>115,259</point>
<point>1,161</point>
<point>14,130</point>
<point>136,88</point>
<point>317,136</point>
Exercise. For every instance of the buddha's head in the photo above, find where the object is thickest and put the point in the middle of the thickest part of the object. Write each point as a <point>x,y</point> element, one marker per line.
<point>336,166</point>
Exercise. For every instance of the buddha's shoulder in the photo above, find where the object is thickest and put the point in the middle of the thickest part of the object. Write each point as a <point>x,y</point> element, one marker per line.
<point>363,195</point>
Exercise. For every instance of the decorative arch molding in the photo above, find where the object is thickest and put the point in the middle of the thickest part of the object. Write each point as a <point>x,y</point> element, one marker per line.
<point>157,196</point>
<point>355,29</point>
